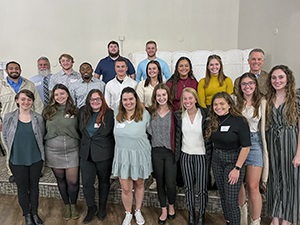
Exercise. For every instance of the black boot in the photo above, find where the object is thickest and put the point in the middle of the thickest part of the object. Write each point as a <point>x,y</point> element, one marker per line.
<point>37,220</point>
<point>201,220</point>
<point>92,210</point>
<point>102,211</point>
<point>191,217</point>
<point>28,219</point>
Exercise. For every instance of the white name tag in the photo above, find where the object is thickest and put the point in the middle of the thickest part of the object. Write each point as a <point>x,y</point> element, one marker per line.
<point>120,125</point>
<point>96,126</point>
<point>224,128</point>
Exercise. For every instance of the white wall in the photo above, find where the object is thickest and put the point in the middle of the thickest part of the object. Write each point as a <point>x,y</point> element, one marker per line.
<point>259,22</point>
<point>83,28</point>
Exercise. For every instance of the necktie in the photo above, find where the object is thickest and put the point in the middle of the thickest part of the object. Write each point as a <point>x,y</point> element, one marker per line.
<point>46,90</point>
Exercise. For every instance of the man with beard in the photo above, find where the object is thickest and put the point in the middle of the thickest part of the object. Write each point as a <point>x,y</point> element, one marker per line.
<point>80,89</point>
<point>9,87</point>
<point>42,79</point>
<point>106,66</point>
<point>67,75</point>
<point>151,49</point>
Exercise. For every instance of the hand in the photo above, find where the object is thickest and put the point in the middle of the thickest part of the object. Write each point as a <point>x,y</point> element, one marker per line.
<point>296,160</point>
<point>233,176</point>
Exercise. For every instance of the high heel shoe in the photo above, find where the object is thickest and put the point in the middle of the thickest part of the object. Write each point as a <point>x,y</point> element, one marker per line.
<point>171,217</point>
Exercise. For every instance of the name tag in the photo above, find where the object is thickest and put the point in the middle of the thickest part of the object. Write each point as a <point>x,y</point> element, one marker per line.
<point>38,83</point>
<point>72,80</point>
<point>224,128</point>
<point>120,125</point>
<point>96,126</point>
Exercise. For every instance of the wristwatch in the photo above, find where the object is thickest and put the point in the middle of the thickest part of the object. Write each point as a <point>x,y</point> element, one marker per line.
<point>237,167</point>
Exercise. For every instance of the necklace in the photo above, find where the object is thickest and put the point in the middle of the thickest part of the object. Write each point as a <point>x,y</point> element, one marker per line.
<point>184,84</point>
<point>220,123</point>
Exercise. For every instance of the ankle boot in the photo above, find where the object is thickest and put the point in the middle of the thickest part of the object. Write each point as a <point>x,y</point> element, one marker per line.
<point>74,212</point>
<point>255,222</point>
<point>201,220</point>
<point>28,219</point>
<point>191,219</point>
<point>244,214</point>
<point>92,210</point>
<point>102,211</point>
<point>37,220</point>
<point>67,213</point>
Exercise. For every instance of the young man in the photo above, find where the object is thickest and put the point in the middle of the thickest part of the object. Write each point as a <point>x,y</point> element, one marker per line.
<point>106,66</point>
<point>151,49</point>
<point>114,87</point>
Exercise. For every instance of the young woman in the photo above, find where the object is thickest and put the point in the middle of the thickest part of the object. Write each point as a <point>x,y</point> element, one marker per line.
<point>230,135</point>
<point>253,106</point>
<point>191,149</point>
<point>283,138</point>
<point>162,130</point>
<point>215,81</point>
<point>23,132</point>
<point>145,87</point>
<point>132,160</point>
<point>62,146</point>
<point>96,151</point>
<point>183,77</point>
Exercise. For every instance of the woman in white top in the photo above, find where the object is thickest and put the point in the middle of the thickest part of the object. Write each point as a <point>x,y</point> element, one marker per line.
<point>145,87</point>
<point>253,107</point>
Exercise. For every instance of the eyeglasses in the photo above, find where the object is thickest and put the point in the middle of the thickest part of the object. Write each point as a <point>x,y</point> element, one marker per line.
<point>250,83</point>
<point>95,100</point>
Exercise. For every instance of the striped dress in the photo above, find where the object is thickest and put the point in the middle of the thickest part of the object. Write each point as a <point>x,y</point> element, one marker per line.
<point>283,188</point>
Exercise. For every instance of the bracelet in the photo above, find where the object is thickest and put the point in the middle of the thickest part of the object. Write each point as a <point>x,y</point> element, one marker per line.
<point>237,168</point>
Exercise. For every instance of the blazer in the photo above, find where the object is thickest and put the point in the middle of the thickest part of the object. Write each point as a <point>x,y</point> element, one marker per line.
<point>178,134</point>
<point>9,128</point>
<point>100,146</point>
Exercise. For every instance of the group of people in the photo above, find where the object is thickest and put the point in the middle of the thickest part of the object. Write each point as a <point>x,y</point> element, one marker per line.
<point>171,125</point>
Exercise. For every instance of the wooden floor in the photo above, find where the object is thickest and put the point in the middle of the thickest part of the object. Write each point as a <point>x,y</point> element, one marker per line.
<point>51,211</point>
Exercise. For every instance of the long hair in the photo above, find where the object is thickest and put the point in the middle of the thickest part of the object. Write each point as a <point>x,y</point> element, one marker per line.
<point>256,97</point>
<point>139,108</point>
<point>191,91</point>
<point>175,77</point>
<point>159,76</point>
<point>88,111</point>
<point>52,107</point>
<point>154,104</point>
<point>290,110</point>
<point>213,123</point>
<point>221,76</point>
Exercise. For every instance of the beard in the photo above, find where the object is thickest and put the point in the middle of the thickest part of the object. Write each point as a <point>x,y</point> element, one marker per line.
<point>44,72</point>
<point>14,75</point>
<point>114,55</point>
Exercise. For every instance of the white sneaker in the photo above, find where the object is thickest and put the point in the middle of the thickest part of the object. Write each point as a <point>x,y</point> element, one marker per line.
<point>153,185</point>
<point>139,219</point>
<point>127,219</point>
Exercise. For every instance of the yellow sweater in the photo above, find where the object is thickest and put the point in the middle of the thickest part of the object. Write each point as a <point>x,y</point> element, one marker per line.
<point>205,94</point>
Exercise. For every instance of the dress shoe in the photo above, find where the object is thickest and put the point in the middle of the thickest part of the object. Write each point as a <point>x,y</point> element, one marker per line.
<point>201,220</point>
<point>92,210</point>
<point>191,220</point>
<point>37,220</point>
<point>171,217</point>
<point>102,212</point>
<point>28,219</point>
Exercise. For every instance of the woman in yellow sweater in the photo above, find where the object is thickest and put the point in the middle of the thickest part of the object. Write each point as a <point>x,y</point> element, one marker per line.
<point>215,81</point>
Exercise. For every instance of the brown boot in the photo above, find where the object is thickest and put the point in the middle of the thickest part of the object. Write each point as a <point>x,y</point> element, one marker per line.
<point>74,212</point>
<point>67,213</point>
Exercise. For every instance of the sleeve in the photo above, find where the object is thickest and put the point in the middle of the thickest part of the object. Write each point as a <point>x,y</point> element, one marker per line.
<point>166,70</point>
<point>229,85</point>
<point>201,93</point>
<point>139,73</point>
<point>52,82</point>
<point>298,98</point>
<point>37,104</point>
<point>131,69</point>
<point>98,68</point>
<point>140,91</point>
<point>73,94</point>
<point>244,133</point>
<point>107,95</point>
<point>265,171</point>
<point>5,128</point>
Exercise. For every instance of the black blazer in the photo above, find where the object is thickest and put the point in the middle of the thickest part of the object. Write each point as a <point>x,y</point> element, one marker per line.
<point>101,145</point>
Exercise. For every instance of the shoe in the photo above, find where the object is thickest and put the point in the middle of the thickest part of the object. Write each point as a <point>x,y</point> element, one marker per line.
<point>37,220</point>
<point>102,212</point>
<point>153,185</point>
<point>161,222</point>
<point>201,220</point>
<point>139,219</point>
<point>244,214</point>
<point>191,220</point>
<point>11,179</point>
<point>67,213</point>
<point>74,212</point>
<point>28,219</point>
<point>171,217</point>
<point>127,219</point>
<point>255,222</point>
<point>92,210</point>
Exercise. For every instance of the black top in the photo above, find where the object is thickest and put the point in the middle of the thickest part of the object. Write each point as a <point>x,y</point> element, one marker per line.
<point>233,133</point>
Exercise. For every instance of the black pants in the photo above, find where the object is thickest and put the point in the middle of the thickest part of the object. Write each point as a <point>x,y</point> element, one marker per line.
<point>222,163</point>
<point>27,180</point>
<point>194,171</point>
<point>89,170</point>
<point>164,167</point>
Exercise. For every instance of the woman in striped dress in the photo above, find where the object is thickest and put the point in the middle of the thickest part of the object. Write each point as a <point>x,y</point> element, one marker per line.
<point>283,196</point>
